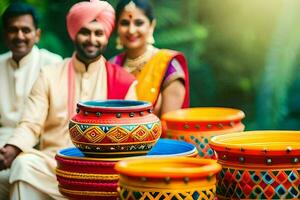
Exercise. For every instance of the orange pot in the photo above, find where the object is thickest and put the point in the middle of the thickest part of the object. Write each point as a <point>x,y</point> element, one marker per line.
<point>258,165</point>
<point>176,178</point>
<point>198,125</point>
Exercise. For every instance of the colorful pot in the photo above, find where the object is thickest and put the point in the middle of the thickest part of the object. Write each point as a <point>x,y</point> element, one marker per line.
<point>114,128</point>
<point>176,178</point>
<point>258,165</point>
<point>82,177</point>
<point>198,125</point>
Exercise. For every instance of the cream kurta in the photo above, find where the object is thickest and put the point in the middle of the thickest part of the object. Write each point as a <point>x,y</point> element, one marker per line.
<point>16,81</point>
<point>46,114</point>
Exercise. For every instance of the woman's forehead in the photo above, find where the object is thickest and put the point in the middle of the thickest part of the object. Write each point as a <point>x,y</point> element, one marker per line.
<point>133,13</point>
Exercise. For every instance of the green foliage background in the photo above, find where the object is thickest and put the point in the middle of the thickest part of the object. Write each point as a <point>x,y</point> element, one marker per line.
<point>241,54</point>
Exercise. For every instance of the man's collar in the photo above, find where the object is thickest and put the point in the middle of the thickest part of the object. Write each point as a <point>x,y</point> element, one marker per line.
<point>26,59</point>
<point>79,66</point>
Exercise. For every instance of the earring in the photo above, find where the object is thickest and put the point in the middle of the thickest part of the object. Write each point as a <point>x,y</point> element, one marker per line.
<point>150,39</point>
<point>119,44</point>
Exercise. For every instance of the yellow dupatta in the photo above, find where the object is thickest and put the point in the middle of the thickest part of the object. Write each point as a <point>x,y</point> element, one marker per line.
<point>151,77</point>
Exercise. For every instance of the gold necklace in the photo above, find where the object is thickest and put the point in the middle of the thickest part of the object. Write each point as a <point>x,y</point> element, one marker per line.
<point>135,65</point>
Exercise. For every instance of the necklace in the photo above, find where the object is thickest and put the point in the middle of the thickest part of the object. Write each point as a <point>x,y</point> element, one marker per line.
<point>135,65</point>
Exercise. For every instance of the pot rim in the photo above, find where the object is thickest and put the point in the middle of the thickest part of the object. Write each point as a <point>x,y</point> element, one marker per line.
<point>73,153</point>
<point>176,167</point>
<point>204,114</point>
<point>112,105</point>
<point>258,142</point>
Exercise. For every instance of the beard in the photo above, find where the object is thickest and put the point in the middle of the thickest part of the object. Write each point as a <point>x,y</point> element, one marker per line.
<point>86,55</point>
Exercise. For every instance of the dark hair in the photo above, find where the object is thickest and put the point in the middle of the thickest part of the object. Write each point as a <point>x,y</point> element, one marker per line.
<point>16,9</point>
<point>144,5</point>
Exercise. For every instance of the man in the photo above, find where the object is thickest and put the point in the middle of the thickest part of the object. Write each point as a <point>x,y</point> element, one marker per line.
<point>86,76</point>
<point>19,68</point>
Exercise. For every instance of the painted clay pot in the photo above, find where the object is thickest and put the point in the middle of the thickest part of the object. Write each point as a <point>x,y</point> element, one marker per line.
<point>198,125</point>
<point>82,177</point>
<point>176,178</point>
<point>258,165</point>
<point>114,128</point>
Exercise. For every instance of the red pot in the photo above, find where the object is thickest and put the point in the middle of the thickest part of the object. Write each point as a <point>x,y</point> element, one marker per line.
<point>114,128</point>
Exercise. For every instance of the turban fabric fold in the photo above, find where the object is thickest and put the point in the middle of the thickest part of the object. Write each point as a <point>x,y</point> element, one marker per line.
<point>84,12</point>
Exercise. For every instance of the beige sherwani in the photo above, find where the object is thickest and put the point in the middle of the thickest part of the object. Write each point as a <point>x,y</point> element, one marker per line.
<point>45,119</point>
<point>16,80</point>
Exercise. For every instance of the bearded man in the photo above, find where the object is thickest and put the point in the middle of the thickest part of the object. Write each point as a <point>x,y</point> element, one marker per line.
<point>85,76</point>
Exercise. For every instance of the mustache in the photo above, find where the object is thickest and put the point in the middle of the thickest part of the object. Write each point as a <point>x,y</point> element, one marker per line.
<point>91,44</point>
<point>16,41</point>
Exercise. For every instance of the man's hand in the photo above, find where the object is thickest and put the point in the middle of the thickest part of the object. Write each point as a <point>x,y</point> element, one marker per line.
<point>7,155</point>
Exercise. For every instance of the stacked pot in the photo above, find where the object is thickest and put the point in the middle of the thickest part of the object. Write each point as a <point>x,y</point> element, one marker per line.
<point>104,132</point>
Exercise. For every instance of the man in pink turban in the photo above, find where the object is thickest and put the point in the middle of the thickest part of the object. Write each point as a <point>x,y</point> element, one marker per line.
<point>84,77</point>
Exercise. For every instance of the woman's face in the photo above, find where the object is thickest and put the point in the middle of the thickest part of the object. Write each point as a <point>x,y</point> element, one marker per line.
<point>134,28</point>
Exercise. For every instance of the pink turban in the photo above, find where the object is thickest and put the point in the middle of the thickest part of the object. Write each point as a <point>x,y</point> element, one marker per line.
<point>84,12</point>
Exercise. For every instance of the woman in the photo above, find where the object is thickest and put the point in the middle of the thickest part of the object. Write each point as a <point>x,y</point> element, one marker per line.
<point>162,74</point>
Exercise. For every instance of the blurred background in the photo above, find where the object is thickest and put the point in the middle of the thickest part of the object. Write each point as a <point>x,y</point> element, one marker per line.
<point>241,54</point>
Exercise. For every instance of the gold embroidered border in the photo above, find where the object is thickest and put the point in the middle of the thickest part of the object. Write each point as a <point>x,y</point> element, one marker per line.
<point>74,175</point>
<point>88,193</point>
